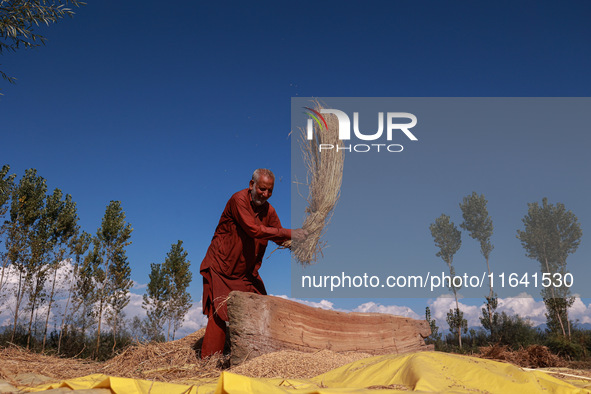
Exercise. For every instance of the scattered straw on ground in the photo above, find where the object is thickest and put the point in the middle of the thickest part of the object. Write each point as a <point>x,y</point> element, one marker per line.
<point>534,356</point>
<point>178,362</point>
<point>174,361</point>
<point>289,364</point>
<point>324,178</point>
<point>16,360</point>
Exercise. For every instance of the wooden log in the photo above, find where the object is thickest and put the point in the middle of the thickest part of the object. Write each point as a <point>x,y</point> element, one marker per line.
<point>263,324</point>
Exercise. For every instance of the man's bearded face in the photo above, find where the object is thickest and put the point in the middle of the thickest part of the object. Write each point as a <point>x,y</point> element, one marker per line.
<point>261,190</point>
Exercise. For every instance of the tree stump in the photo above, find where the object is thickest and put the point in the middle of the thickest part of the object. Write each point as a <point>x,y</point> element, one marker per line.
<point>263,324</point>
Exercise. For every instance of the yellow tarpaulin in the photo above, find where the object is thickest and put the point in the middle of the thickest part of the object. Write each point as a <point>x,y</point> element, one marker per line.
<point>423,372</point>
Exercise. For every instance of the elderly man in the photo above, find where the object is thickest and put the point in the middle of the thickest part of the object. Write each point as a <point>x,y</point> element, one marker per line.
<point>236,252</point>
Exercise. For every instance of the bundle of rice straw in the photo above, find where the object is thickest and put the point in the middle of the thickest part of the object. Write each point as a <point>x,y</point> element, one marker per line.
<point>324,178</point>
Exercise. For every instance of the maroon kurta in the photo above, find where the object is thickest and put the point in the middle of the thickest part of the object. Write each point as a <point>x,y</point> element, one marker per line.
<point>236,252</point>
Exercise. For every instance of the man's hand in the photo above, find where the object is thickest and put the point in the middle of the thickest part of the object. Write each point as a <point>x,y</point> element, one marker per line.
<point>299,234</point>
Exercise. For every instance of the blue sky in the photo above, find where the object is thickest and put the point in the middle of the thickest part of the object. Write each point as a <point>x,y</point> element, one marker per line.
<point>169,108</point>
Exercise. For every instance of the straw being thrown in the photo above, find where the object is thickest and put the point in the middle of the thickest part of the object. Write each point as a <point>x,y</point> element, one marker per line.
<point>324,178</point>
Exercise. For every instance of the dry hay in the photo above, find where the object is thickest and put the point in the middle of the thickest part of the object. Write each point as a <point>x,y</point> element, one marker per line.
<point>324,178</point>
<point>174,361</point>
<point>534,356</point>
<point>291,364</point>
<point>178,362</point>
<point>17,360</point>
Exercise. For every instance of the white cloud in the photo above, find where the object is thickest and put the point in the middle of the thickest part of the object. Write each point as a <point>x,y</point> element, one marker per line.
<point>368,307</point>
<point>323,304</point>
<point>581,312</point>
<point>525,306</point>
<point>63,281</point>
<point>443,304</point>
<point>390,309</point>
<point>194,320</point>
<point>138,286</point>
<point>134,308</point>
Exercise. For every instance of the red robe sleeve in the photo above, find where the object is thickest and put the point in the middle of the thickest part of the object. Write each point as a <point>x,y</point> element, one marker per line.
<point>242,211</point>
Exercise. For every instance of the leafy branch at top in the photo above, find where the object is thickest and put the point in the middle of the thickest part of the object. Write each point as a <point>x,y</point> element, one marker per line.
<point>19,19</point>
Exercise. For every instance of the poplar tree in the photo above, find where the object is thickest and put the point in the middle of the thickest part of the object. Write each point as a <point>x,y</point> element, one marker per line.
<point>479,225</point>
<point>64,229</point>
<point>79,246</point>
<point>109,250</point>
<point>457,323</point>
<point>550,234</point>
<point>120,283</point>
<point>167,300</point>
<point>6,186</point>
<point>435,335</point>
<point>178,269</point>
<point>42,242</point>
<point>449,239</point>
<point>27,204</point>
<point>155,301</point>
<point>85,290</point>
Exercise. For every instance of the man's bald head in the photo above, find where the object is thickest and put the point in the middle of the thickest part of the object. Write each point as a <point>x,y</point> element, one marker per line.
<point>262,171</point>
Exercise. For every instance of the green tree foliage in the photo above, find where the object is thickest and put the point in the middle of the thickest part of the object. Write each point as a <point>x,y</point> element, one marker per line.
<point>26,210</point>
<point>457,323</point>
<point>6,186</point>
<point>435,336</point>
<point>155,302</point>
<point>178,269</point>
<point>85,287</point>
<point>138,329</point>
<point>120,283</point>
<point>76,293</point>
<point>490,318</point>
<point>36,241</point>
<point>557,305</point>
<point>550,235</point>
<point>41,246</point>
<point>109,250</point>
<point>20,18</point>
<point>65,229</point>
<point>167,300</point>
<point>479,225</point>
<point>448,239</point>
<point>568,349</point>
<point>516,332</point>
<point>40,236</point>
